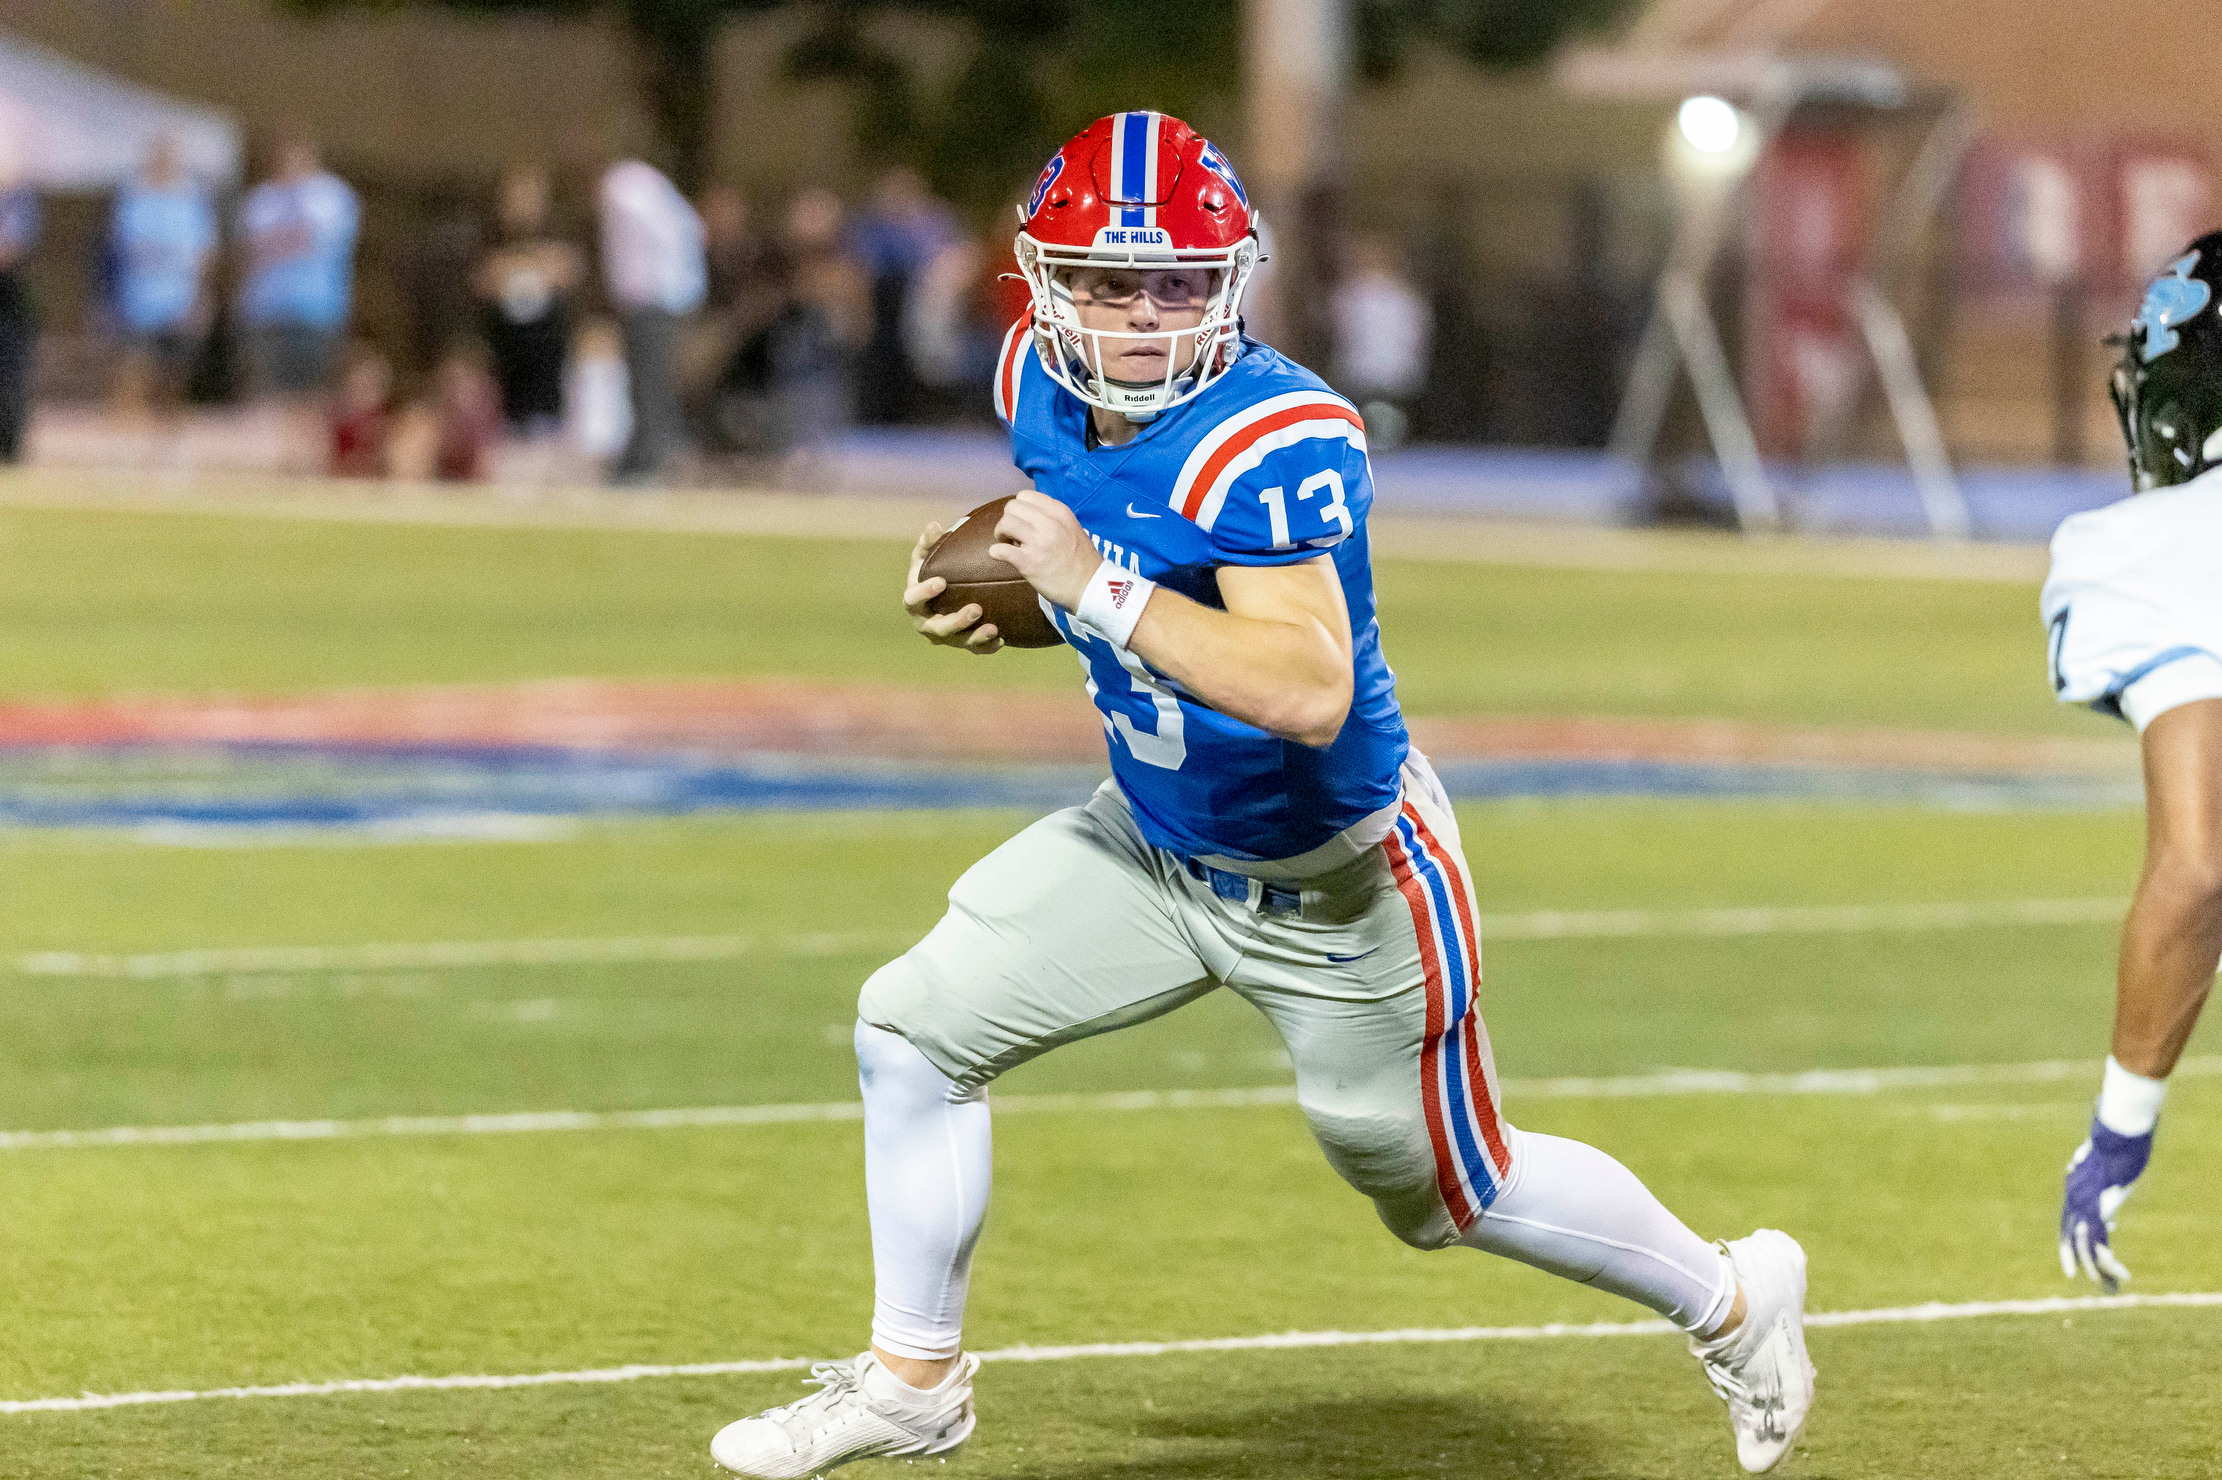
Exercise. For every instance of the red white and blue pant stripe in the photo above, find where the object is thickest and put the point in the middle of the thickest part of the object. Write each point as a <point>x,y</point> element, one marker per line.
<point>1457,1074</point>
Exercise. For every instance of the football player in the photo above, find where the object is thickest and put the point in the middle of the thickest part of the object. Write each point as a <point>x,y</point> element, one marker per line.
<point>1197,532</point>
<point>2134,609</point>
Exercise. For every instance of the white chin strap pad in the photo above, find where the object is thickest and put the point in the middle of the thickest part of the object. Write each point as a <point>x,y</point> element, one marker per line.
<point>1139,402</point>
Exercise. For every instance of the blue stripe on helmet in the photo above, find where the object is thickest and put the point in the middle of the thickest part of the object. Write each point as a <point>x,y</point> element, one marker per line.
<point>1134,160</point>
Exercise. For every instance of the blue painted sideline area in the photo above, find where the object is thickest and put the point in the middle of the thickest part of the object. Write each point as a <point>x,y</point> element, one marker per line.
<point>2009,504</point>
<point>313,787</point>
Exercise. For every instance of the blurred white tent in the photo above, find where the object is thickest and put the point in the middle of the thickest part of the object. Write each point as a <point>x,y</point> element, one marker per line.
<point>66,126</point>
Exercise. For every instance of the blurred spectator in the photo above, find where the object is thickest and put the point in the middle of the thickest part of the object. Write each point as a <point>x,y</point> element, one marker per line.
<point>940,324</point>
<point>361,419</point>
<point>447,434</point>
<point>19,233</point>
<point>1382,328</point>
<point>894,242</point>
<point>162,238</point>
<point>597,397</point>
<point>526,283</point>
<point>743,294</point>
<point>741,268</point>
<point>653,266</point>
<point>298,230</point>
<point>438,275</point>
<point>785,392</point>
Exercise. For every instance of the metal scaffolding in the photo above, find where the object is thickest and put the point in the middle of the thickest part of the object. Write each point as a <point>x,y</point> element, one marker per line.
<point>1682,335</point>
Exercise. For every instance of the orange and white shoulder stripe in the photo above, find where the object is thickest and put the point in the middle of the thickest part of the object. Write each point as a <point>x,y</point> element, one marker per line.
<point>1010,363</point>
<point>1243,440</point>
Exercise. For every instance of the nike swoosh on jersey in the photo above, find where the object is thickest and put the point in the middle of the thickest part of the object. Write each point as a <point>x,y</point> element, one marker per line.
<point>1346,960</point>
<point>1134,513</point>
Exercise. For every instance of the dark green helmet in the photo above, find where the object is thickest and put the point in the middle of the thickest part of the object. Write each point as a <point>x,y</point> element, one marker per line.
<point>2168,386</point>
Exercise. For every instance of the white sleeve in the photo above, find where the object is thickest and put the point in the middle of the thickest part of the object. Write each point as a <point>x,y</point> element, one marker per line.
<point>2134,624</point>
<point>2188,675</point>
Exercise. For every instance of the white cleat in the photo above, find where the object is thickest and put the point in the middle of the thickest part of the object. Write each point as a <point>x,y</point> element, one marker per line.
<point>1761,1367</point>
<point>859,1412</point>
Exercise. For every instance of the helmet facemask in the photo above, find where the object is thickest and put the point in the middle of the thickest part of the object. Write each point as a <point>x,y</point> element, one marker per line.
<point>1074,354</point>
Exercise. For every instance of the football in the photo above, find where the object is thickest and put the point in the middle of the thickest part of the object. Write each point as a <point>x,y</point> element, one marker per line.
<point>961,558</point>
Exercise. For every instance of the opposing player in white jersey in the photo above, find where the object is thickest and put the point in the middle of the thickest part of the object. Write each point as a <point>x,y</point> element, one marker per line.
<point>2134,610</point>
<point>1197,532</point>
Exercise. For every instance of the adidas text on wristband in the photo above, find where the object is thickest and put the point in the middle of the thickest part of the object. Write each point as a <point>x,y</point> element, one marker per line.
<point>1113,602</point>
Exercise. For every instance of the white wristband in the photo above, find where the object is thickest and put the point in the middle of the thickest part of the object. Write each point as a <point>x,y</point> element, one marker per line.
<point>1112,602</point>
<point>2129,1104</point>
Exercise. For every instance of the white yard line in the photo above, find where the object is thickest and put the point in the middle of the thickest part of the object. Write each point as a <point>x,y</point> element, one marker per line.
<point>454,954</point>
<point>2054,1110</point>
<point>1280,1341</point>
<point>1826,1081</point>
<point>1668,1082</point>
<point>522,1122</point>
<point>1849,919</point>
<point>1532,925</point>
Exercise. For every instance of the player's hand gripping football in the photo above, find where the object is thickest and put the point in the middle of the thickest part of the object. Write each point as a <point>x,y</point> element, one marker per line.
<point>1045,542</point>
<point>961,628</point>
<point>2100,1176</point>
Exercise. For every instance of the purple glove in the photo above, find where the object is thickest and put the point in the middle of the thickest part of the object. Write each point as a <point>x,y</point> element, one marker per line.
<point>2099,1178</point>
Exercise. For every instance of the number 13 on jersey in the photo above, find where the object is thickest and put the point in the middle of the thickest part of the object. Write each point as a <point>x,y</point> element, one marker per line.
<point>1136,694</point>
<point>1334,512</point>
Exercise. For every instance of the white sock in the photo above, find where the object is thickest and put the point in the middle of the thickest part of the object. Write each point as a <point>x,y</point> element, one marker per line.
<point>884,1383</point>
<point>927,1157</point>
<point>1574,1211</point>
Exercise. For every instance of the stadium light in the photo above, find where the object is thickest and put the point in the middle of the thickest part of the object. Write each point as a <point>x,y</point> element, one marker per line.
<point>1710,125</point>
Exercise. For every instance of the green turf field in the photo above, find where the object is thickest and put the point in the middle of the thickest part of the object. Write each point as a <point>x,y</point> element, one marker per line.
<point>103,602</point>
<point>164,1267</point>
<point>195,1266</point>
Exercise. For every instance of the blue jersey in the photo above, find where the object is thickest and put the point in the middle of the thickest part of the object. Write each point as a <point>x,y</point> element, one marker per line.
<point>1266,466</point>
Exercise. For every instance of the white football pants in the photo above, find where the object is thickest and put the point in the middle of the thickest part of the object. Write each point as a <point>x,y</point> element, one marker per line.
<point>1566,1208</point>
<point>1370,971</point>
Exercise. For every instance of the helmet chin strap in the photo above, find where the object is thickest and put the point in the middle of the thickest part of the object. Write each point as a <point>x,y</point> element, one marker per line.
<point>1151,411</point>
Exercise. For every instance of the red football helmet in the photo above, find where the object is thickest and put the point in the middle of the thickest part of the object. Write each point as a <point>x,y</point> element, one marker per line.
<point>1139,191</point>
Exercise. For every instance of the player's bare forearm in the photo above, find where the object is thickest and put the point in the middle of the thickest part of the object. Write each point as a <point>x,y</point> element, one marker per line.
<point>1277,658</point>
<point>2169,948</point>
<point>2173,937</point>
